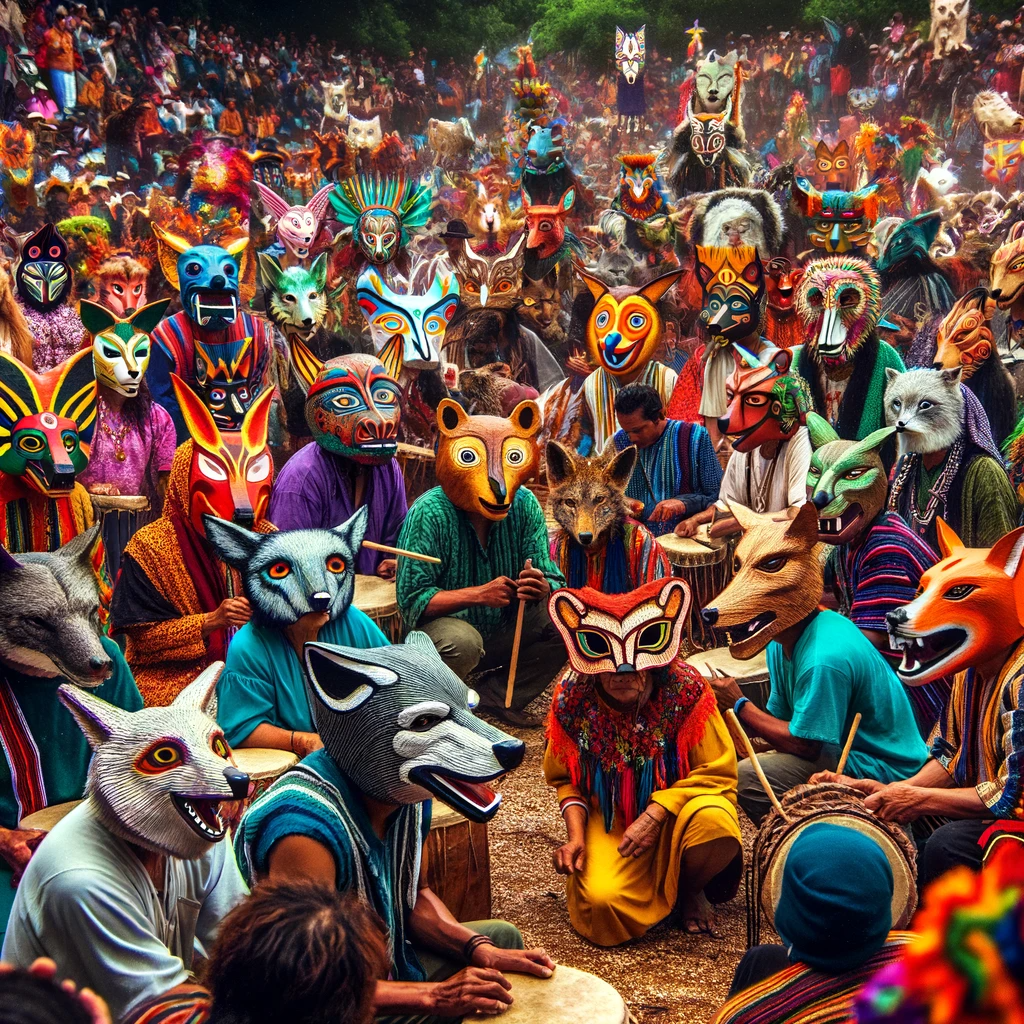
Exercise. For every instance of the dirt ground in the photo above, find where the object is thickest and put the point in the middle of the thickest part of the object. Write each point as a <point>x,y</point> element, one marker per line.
<point>667,977</point>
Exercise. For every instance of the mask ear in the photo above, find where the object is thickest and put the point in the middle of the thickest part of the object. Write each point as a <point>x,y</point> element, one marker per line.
<point>340,680</point>
<point>560,462</point>
<point>238,246</point>
<point>270,271</point>
<point>951,377</point>
<point>566,610</point>
<point>168,248</point>
<point>353,530</point>
<point>97,718</point>
<point>256,424</point>
<point>655,289</point>
<point>1006,552</point>
<point>235,544</point>
<point>804,526</point>
<point>201,694</point>
<point>947,537</point>
<point>565,204</point>
<point>595,285</point>
<point>146,318</point>
<point>891,373</point>
<point>74,395</point>
<point>743,515</point>
<point>620,469</point>
<point>821,430</point>
<point>81,547</point>
<point>451,416</point>
<point>198,420</point>
<point>318,271</point>
<point>271,200</point>
<point>526,418</point>
<point>305,365</point>
<point>95,318</point>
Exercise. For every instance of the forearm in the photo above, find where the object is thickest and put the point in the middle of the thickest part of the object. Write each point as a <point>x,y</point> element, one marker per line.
<point>931,776</point>
<point>267,735</point>
<point>432,924</point>
<point>445,602</point>
<point>394,997</point>
<point>776,732</point>
<point>575,823</point>
<point>951,803</point>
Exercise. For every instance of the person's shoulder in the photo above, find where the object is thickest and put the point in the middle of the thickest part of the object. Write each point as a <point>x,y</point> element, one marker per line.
<point>159,417</point>
<point>431,504</point>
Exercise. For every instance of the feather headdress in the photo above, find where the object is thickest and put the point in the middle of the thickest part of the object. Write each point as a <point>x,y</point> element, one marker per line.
<point>405,198</point>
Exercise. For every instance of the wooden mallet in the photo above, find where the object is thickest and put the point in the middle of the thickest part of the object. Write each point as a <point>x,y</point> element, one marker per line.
<point>514,662</point>
<point>758,770</point>
<point>374,546</point>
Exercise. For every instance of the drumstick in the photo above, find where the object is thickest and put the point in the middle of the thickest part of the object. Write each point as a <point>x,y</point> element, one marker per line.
<point>374,546</point>
<point>514,662</point>
<point>758,770</point>
<point>849,743</point>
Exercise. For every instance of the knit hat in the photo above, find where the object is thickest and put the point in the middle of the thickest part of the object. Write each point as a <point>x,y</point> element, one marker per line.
<point>835,908</point>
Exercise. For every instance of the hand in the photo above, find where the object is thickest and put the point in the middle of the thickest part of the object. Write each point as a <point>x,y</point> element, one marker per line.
<point>896,802</point>
<point>532,584</point>
<point>44,967</point>
<point>634,508</point>
<point>387,568</point>
<point>522,961</point>
<point>472,990</point>
<point>569,858</point>
<point>687,528</point>
<point>109,489</point>
<point>725,688</point>
<point>496,594</point>
<point>17,846</point>
<point>644,832</point>
<point>667,509</point>
<point>580,365</point>
<point>865,786</point>
<point>232,611</point>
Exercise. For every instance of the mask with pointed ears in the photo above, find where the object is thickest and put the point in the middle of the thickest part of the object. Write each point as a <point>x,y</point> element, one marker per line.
<point>545,225</point>
<point>833,168</point>
<point>296,296</point>
<point>297,226</point>
<point>732,280</point>
<point>495,281</point>
<point>965,335</point>
<point>121,348</point>
<point>838,222</point>
<point>630,52</point>
<point>766,403</point>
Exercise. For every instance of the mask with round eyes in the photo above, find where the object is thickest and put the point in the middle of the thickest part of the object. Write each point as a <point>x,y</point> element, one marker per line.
<point>493,281</point>
<point>732,279</point>
<point>1001,161</point>
<point>297,226</point>
<point>640,195</point>
<point>231,376</point>
<point>43,277</point>
<point>832,167</point>
<point>708,136</point>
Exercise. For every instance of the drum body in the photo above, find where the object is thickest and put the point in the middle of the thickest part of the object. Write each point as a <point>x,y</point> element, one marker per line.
<point>459,864</point>
<point>751,675</point>
<point>567,997</point>
<point>417,464</point>
<point>706,568</point>
<point>263,765</point>
<point>121,515</point>
<point>378,599</point>
<point>45,819</point>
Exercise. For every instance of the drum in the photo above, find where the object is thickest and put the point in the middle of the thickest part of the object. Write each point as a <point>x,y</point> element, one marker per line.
<point>121,515</point>
<point>459,864</point>
<point>417,465</point>
<point>566,997</point>
<point>706,568</point>
<point>263,765</point>
<point>45,819</point>
<point>378,599</point>
<point>835,804</point>
<point>752,674</point>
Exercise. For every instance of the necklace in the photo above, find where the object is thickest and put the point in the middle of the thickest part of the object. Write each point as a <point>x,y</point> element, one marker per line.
<point>117,435</point>
<point>937,494</point>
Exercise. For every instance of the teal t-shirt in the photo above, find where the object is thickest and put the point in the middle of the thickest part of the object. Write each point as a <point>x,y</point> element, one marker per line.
<point>263,679</point>
<point>64,752</point>
<point>834,673</point>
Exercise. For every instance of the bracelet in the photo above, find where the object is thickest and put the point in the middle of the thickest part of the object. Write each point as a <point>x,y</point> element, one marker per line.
<point>291,742</point>
<point>737,707</point>
<point>472,944</point>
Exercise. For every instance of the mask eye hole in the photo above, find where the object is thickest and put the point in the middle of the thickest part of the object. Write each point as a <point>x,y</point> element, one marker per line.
<point>655,637</point>
<point>279,570</point>
<point>592,643</point>
<point>335,564</point>
<point>424,722</point>
<point>959,592</point>
<point>161,757</point>
<point>210,469</point>
<point>220,747</point>
<point>772,564</point>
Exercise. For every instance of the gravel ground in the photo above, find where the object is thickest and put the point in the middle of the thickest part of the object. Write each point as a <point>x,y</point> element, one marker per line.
<point>667,977</point>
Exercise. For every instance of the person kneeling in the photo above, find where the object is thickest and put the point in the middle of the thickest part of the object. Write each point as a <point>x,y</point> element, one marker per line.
<point>643,767</point>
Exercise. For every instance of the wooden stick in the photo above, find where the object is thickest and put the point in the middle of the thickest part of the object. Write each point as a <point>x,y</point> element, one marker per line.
<point>374,546</point>
<point>514,662</point>
<point>849,743</point>
<point>758,770</point>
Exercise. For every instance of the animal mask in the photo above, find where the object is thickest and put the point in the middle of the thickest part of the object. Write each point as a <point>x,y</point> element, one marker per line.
<point>399,723</point>
<point>482,460</point>
<point>43,277</point>
<point>121,348</point>
<point>50,625</point>
<point>1001,161</point>
<point>926,407</point>
<point>46,421</point>
<point>839,222</point>
<point>365,134</point>
<point>158,776</point>
<point>352,405</point>
<point>949,25</point>
<point>833,168</point>
<point>207,277</point>
<point>641,195</point>
<point>970,607</point>
<point>630,52</point>
<point>296,297</point>
<point>839,304</point>
<point>732,279</point>
<point>297,226</point>
<point>545,225</point>
<point>714,84</point>
<point>765,403</point>
<point>545,147</point>
<point>336,99</point>
<point>1007,269</point>
<point>860,101</point>
<point>232,375</point>
<point>965,335</point>
<point>494,281</point>
<point>381,212</point>
<point>408,327</point>
<point>230,473</point>
<point>777,579</point>
<point>910,241</point>
<point>782,280</point>
<point>121,285</point>
<point>633,632</point>
<point>738,216</point>
<point>708,134</point>
<point>846,481</point>
<point>334,156</point>
<point>625,327</point>
<point>291,573</point>
<point>588,496</point>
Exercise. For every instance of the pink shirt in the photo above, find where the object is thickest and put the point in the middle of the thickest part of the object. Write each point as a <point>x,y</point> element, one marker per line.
<point>146,452</point>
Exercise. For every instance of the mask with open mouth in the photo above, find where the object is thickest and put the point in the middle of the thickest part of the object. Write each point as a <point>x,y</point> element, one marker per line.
<point>969,609</point>
<point>765,402</point>
<point>846,480</point>
<point>399,723</point>
<point>777,580</point>
<point>159,776</point>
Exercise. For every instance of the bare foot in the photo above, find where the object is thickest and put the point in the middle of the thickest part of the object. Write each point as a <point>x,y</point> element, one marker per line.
<point>698,915</point>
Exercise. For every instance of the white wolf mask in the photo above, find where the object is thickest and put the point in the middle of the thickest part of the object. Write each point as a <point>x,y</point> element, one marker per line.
<point>926,407</point>
<point>630,52</point>
<point>365,134</point>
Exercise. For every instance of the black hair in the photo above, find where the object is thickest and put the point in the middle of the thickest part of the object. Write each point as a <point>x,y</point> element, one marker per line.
<point>642,398</point>
<point>28,999</point>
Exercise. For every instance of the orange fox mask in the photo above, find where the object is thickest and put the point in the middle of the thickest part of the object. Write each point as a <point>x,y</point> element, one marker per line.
<point>970,607</point>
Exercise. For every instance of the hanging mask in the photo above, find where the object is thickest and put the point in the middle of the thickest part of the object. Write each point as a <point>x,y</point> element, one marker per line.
<point>381,212</point>
<point>838,222</point>
<point>965,335</point>
<point>296,297</point>
<point>494,281</point>
<point>765,402</point>
<point>44,275</point>
<point>708,135</point>
<point>833,168</point>
<point>545,225</point>
<point>625,327</point>
<point>230,473</point>
<point>732,279</point>
<point>482,460</point>
<point>121,285</point>
<point>297,226</point>
<point>408,326</point>
<point>630,52</point>
<point>158,777</point>
<point>121,348</point>
<point>47,421</point>
<point>620,633</point>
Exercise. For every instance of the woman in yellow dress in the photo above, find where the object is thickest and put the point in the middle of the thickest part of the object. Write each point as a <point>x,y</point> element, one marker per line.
<point>643,765</point>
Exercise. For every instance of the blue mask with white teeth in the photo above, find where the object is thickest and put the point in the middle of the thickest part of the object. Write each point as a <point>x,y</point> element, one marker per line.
<point>208,280</point>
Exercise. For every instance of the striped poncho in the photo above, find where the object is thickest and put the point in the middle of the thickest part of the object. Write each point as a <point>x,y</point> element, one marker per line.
<point>628,560</point>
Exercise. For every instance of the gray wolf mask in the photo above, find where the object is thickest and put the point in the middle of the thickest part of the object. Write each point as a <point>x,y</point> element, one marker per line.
<point>291,573</point>
<point>49,623</point>
<point>158,776</point>
<point>399,723</point>
<point>926,407</point>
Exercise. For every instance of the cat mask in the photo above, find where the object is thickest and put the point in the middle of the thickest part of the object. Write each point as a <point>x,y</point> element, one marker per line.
<point>121,348</point>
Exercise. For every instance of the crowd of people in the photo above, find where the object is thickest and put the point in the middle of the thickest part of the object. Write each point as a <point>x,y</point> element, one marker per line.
<point>359,416</point>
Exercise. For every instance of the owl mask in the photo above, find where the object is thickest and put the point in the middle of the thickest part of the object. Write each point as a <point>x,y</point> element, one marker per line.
<point>495,281</point>
<point>630,52</point>
<point>833,168</point>
<point>640,194</point>
<point>43,277</point>
<point>482,460</point>
<point>121,348</point>
<point>732,279</point>
<point>765,403</point>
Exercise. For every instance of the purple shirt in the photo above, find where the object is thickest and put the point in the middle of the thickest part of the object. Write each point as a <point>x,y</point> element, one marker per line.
<point>58,335</point>
<point>147,451</point>
<point>313,489</point>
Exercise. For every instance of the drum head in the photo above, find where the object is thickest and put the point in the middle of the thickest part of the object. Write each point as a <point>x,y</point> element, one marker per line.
<point>686,551</point>
<point>566,997</point>
<point>45,819</point>
<point>753,670</point>
<point>263,762</point>
<point>375,597</point>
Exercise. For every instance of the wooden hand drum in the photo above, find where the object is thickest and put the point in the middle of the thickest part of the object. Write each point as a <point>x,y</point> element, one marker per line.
<point>263,765</point>
<point>378,599</point>
<point>567,997</point>
<point>751,675</point>
<point>459,864</point>
<point>122,515</point>
<point>45,819</point>
<point>706,569</point>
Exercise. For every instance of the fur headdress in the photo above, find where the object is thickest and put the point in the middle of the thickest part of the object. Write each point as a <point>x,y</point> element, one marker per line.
<point>713,212</point>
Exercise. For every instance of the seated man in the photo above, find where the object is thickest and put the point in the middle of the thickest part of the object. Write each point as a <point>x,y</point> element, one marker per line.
<point>398,729</point>
<point>677,473</point>
<point>643,766</point>
<point>834,916</point>
<point>823,670</point>
<point>299,585</point>
<point>491,537</point>
<point>50,603</point>
<point>967,620</point>
<point>135,880</point>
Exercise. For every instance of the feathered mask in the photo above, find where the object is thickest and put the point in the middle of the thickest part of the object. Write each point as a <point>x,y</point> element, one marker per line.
<point>381,212</point>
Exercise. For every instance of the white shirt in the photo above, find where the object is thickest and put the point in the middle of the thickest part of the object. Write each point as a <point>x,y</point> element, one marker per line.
<point>787,486</point>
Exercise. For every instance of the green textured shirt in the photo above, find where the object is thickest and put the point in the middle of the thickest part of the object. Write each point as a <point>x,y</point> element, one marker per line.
<point>434,526</point>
